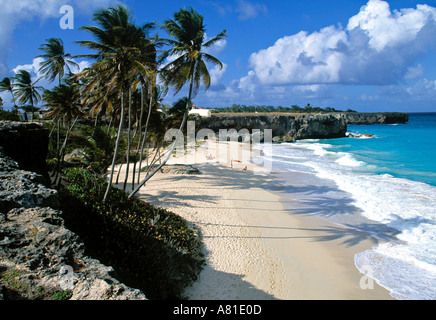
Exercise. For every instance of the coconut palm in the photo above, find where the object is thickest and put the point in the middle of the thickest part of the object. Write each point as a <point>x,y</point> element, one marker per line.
<point>25,90</point>
<point>56,60</point>
<point>64,102</point>
<point>118,45</point>
<point>7,85</point>
<point>188,44</point>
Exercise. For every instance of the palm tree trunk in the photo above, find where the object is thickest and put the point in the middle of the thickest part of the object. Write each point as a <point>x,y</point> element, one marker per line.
<point>128,139</point>
<point>61,153</point>
<point>58,138</point>
<point>66,139</point>
<point>173,146</point>
<point>138,128</point>
<point>146,129</point>
<point>31,103</point>
<point>117,144</point>
<point>119,172</point>
<point>110,125</point>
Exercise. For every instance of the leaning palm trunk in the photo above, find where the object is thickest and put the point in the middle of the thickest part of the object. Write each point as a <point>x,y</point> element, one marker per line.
<point>117,144</point>
<point>173,146</point>
<point>170,152</point>
<point>128,140</point>
<point>138,128</point>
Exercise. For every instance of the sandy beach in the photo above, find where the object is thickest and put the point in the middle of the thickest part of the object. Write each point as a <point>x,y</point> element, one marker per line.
<point>259,245</point>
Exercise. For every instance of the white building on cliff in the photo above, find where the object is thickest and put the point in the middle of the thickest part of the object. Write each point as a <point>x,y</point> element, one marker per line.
<point>205,113</point>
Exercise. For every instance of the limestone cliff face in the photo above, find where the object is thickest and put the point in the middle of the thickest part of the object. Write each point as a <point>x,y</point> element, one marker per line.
<point>35,246</point>
<point>285,128</point>
<point>288,128</point>
<point>366,118</point>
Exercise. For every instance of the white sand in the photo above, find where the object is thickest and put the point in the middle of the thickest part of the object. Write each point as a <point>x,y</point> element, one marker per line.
<point>256,247</point>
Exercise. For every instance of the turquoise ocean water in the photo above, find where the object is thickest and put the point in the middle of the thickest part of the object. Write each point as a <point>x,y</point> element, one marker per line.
<point>390,181</point>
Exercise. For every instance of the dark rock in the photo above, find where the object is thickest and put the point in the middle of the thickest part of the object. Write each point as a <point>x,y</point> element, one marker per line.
<point>23,189</point>
<point>26,143</point>
<point>366,118</point>
<point>77,157</point>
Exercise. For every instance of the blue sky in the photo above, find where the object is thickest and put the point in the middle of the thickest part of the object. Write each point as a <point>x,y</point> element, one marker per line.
<point>365,55</point>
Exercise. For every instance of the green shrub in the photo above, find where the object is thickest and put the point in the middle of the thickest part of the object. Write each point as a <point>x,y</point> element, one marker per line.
<point>150,248</point>
<point>62,295</point>
<point>8,116</point>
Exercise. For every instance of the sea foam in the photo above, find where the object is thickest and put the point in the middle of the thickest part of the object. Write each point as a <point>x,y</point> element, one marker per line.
<point>399,211</point>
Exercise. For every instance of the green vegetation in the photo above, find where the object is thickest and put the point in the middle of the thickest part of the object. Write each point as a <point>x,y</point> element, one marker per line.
<point>17,286</point>
<point>62,295</point>
<point>124,86</point>
<point>8,116</point>
<point>238,108</point>
<point>150,248</point>
<point>110,114</point>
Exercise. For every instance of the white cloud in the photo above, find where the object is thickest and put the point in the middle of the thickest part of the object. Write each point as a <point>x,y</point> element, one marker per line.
<point>378,47</point>
<point>249,10</point>
<point>414,72</point>
<point>385,28</point>
<point>423,89</point>
<point>33,68</point>
<point>218,47</point>
<point>13,12</point>
<point>215,77</point>
<point>301,59</point>
<point>82,65</point>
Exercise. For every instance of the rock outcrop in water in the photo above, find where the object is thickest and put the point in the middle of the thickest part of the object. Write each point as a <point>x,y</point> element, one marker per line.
<point>39,257</point>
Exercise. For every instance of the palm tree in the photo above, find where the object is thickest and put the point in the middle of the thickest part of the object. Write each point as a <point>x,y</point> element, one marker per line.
<point>7,85</point>
<point>188,32</point>
<point>147,82</point>
<point>188,44</point>
<point>118,45</point>
<point>64,102</point>
<point>25,90</point>
<point>57,60</point>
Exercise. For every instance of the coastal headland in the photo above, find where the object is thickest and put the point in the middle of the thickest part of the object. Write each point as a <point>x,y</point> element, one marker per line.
<point>291,127</point>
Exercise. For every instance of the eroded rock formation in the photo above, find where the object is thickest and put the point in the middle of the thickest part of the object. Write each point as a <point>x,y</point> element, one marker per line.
<point>39,257</point>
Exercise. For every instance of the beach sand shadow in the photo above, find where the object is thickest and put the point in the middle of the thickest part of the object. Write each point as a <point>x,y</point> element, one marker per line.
<point>218,285</point>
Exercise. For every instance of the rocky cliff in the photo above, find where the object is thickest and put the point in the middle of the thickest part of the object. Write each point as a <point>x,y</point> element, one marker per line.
<point>39,257</point>
<point>366,118</point>
<point>288,128</point>
<point>285,128</point>
<point>26,143</point>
